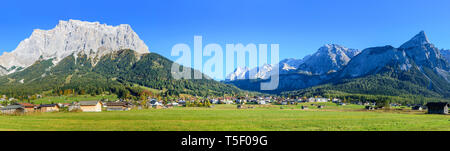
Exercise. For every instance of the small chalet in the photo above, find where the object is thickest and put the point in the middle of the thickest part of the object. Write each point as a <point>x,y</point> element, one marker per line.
<point>438,107</point>
<point>116,106</point>
<point>320,107</point>
<point>304,107</point>
<point>48,108</point>
<point>91,106</point>
<point>28,107</point>
<point>262,102</point>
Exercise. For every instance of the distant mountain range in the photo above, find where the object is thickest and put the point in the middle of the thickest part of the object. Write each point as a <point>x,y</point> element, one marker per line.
<point>417,67</point>
<point>329,58</point>
<point>93,58</point>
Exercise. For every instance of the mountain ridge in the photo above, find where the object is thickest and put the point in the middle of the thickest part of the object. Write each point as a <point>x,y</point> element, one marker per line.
<point>417,65</point>
<point>116,72</point>
<point>70,38</point>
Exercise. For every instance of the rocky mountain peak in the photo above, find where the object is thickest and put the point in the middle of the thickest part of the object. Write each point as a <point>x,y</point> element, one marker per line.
<point>418,40</point>
<point>329,58</point>
<point>72,38</point>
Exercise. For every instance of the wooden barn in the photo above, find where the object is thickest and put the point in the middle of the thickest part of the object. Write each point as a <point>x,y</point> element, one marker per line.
<point>91,106</point>
<point>12,109</point>
<point>48,108</point>
<point>438,107</point>
<point>116,106</point>
<point>28,107</point>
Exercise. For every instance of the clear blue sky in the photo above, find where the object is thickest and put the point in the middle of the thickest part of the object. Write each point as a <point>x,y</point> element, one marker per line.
<point>299,26</point>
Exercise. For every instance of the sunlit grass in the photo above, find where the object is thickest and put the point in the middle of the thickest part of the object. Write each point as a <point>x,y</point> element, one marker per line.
<point>227,117</point>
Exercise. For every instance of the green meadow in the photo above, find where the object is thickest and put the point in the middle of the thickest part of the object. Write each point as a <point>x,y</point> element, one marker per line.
<point>228,118</point>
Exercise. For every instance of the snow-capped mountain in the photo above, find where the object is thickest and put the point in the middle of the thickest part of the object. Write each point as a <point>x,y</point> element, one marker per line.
<point>416,63</point>
<point>265,71</point>
<point>329,58</point>
<point>239,73</point>
<point>72,38</point>
<point>291,64</point>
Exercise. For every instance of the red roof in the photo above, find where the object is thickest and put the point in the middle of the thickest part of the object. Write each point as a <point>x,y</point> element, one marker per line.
<point>27,105</point>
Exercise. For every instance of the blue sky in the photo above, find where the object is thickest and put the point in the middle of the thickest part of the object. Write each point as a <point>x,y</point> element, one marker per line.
<point>299,26</point>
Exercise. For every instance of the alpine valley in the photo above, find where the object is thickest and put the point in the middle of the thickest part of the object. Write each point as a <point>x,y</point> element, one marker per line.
<point>417,70</point>
<point>93,58</point>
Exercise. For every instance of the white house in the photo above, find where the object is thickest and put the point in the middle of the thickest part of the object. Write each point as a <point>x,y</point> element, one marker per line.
<point>262,102</point>
<point>91,106</point>
<point>321,100</point>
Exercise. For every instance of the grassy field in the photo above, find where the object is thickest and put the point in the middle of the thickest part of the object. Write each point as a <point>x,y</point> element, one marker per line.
<point>228,118</point>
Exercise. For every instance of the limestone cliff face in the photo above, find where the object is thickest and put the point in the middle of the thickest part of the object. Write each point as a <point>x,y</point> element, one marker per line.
<point>73,37</point>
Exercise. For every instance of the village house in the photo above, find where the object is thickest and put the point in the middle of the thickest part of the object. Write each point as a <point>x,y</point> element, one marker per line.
<point>262,102</point>
<point>320,107</point>
<point>28,107</point>
<point>321,100</point>
<point>241,101</point>
<point>116,106</point>
<point>91,106</point>
<point>317,99</point>
<point>437,107</point>
<point>214,101</point>
<point>48,108</point>
<point>304,107</point>
<point>335,100</point>
<point>12,109</point>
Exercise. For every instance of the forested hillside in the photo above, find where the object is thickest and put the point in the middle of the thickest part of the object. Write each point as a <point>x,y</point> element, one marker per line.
<point>117,73</point>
